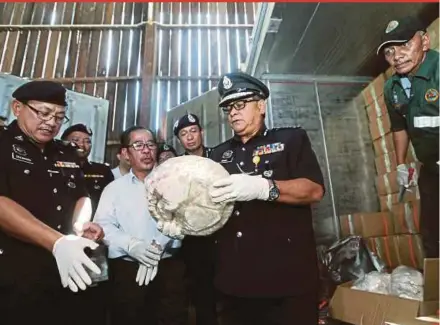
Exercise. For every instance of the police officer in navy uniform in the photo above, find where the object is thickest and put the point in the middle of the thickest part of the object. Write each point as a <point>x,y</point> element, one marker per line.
<point>190,134</point>
<point>198,252</point>
<point>42,194</point>
<point>97,176</point>
<point>266,264</point>
<point>412,100</point>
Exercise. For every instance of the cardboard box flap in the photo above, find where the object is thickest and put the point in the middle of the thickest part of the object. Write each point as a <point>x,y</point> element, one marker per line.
<point>431,276</point>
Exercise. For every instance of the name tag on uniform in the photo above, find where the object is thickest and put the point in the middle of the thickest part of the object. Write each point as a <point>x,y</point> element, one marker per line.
<point>21,158</point>
<point>93,176</point>
<point>66,164</point>
<point>268,149</point>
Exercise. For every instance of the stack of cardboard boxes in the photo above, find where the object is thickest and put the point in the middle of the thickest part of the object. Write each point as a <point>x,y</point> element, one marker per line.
<point>393,232</point>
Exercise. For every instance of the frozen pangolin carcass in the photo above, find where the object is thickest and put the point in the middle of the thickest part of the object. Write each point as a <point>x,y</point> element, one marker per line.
<point>178,190</point>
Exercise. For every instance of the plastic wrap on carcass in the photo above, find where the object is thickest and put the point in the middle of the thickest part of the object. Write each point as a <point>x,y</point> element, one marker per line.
<point>377,282</point>
<point>406,282</point>
<point>350,259</point>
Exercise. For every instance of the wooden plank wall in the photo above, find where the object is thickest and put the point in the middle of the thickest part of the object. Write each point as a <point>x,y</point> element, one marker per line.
<point>107,62</point>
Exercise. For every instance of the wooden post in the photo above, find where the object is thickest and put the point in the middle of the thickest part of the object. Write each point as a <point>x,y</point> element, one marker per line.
<point>148,73</point>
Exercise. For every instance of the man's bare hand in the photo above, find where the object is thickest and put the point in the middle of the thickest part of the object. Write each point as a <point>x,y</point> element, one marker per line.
<point>92,231</point>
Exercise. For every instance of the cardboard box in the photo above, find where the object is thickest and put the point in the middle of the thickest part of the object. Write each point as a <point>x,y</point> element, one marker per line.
<point>386,163</point>
<point>384,144</point>
<point>433,31</point>
<point>367,224</point>
<point>410,250</point>
<point>374,89</point>
<point>366,308</point>
<point>385,247</point>
<point>406,217</point>
<point>387,201</point>
<point>376,108</point>
<point>380,126</point>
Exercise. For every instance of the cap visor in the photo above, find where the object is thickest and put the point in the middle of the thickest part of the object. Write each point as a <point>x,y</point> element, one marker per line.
<point>236,96</point>
<point>388,42</point>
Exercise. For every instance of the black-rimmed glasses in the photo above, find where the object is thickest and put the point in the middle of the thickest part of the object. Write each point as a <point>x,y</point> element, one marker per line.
<point>47,116</point>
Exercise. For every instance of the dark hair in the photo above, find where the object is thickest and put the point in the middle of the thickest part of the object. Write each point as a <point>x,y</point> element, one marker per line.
<point>125,136</point>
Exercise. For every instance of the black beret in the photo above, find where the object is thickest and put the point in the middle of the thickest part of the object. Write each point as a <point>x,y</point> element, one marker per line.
<point>401,31</point>
<point>163,147</point>
<point>239,85</point>
<point>76,128</point>
<point>184,121</point>
<point>43,91</point>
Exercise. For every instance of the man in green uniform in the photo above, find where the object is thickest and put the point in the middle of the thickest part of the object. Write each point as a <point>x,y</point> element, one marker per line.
<point>412,99</point>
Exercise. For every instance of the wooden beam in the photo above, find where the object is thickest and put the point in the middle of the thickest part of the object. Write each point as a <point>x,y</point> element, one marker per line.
<point>148,72</point>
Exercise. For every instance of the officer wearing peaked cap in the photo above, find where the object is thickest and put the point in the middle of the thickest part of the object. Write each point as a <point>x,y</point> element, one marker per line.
<point>97,176</point>
<point>412,99</point>
<point>42,192</point>
<point>266,264</point>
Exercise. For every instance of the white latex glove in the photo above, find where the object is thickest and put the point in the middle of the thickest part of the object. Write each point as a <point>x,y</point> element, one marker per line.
<point>240,187</point>
<point>170,229</point>
<point>70,257</point>
<point>147,254</point>
<point>403,175</point>
<point>146,274</point>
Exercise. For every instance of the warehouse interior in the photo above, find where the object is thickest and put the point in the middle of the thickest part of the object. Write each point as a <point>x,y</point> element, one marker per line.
<point>152,62</point>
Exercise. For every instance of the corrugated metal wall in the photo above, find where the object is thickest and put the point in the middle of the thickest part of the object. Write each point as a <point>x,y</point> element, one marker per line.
<point>205,41</point>
<point>145,58</point>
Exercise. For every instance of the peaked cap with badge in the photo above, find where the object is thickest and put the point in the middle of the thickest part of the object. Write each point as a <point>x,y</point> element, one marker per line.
<point>239,85</point>
<point>43,91</point>
<point>401,31</point>
<point>76,128</point>
<point>186,120</point>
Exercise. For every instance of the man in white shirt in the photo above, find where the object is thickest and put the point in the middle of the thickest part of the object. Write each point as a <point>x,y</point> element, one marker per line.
<point>123,167</point>
<point>135,244</point>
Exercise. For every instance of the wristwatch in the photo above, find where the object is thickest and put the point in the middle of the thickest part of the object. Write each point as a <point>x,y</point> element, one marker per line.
<point>274,192</point>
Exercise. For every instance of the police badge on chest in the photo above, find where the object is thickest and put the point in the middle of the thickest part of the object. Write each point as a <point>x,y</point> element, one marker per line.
<point>227,157</point>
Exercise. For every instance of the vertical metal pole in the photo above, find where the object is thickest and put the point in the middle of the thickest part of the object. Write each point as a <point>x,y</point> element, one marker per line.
<point>336,223</point>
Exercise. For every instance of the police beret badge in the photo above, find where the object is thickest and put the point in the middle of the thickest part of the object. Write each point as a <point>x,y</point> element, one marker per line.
<point>191,118</point>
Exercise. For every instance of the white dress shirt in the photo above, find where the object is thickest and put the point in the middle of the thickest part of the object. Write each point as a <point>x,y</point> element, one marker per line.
<point>116,172</point>
<point>123,214</point>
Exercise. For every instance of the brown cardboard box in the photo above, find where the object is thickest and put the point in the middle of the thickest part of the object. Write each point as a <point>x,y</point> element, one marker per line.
<point>374,89</point>
<point>410,250</point>
<point>367,308</point>
<point>367,224</point>
<point>385,247</point>
<point>387,201</point>
<point>406,217</point>
<point>384,144</point>
<point>433,31</point>
<point>380,126</point>
<point>386,163</point>
<point>376,108</point>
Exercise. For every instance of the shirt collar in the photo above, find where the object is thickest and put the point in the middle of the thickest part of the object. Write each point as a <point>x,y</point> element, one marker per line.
<point>425,67</point>
<point>133,177</point>
<point>18,133</point>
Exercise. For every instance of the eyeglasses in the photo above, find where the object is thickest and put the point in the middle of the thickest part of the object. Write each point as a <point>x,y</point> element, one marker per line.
<point>139,145</point>
<point>85,140</point>
<point>47,116</point>
<point>238,105</point>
